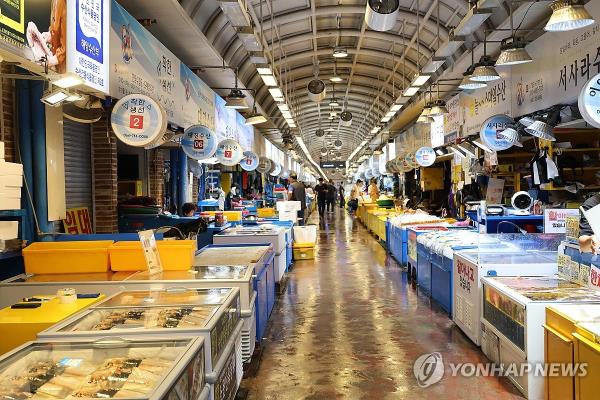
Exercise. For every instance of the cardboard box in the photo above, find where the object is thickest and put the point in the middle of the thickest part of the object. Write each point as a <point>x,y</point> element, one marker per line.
<point>11,180</point>
<point>8,168</point>
<point>9,203</point>
<point>9,230</point>
<point>10,191</point>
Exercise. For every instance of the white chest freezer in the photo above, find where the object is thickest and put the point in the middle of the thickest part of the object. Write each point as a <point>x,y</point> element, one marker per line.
<point>471,266</point>
<point>513,320</point>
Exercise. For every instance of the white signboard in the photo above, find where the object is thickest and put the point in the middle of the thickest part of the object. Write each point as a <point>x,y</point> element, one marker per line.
<point>437,131</point>
<point>555,219</point>
<point>138,120</point>
<point>88,23</point>
<point>494,192</point>
<point>562,63</point>
<point>151,254</point>
<point>453,120</point>
<point>484,103</point>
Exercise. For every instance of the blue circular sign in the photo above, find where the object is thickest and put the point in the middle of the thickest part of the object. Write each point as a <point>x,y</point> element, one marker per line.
<point>425,156</point>
<point>138,120</point>
<point>249,161</point>
<point>490,132</point>
<point>589,102</point>
<point>229,152</point>
<point>199,142</point>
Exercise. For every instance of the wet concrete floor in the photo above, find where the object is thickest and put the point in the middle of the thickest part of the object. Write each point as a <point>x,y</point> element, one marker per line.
<point>350,326</point>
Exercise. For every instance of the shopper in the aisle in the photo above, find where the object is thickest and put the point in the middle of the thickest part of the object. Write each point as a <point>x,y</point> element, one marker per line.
<point>298,193</point>
<point>321,190</point>
<point>188,209</point>
<point>341,195</point>
<point>355,195</point>
<point>373,190</point>
<point>331,191</point>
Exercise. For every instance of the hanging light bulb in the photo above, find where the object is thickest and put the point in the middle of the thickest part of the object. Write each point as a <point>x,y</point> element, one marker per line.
<point>484,71</point>
<point>513,52</point>
<point>541,130</point>
<point>511,133</point>
<point>568,15</point>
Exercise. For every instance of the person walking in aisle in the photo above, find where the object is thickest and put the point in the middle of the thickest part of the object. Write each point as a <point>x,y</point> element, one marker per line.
<point>373,190</point>
<point>298,193</point>
<point>331,192</point>
<point>341,195</point>
<point>321,190</point>
<point>355,195</point>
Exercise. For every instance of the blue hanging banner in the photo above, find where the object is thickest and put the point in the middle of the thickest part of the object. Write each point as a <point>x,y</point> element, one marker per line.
<point>199,142</point>
<point>249,161</point>
<point>490,132</point>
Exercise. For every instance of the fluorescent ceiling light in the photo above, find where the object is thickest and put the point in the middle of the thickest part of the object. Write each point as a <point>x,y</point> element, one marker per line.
<point>333,114</point>
<point>276,92</point>
<point>482,146</point>
<point>288,120</point>
<point>292,124</point>
<point>264,70</point>
<point>330,129</point>
<point>330,117</point>
<point>396,107</point>
<point>420,80</point>
<point>283,107</point>
<point>68,81</point>
<point>439,152</point>
<point>385,119</point>
<point>334,103</point>
<point>269,80</point>
<point>410,91</point>
<point>336,79</point>
<point>74,97</point>
<point>390,114</point>
<point>286,114</point>
<point>55,98</point>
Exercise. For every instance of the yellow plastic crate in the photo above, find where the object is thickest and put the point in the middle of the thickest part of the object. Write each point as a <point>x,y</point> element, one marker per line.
<point>67,257</point>
<point>175,255</point>
<point>265,212</point>
<point>232,216</point>
<point>303,251</point>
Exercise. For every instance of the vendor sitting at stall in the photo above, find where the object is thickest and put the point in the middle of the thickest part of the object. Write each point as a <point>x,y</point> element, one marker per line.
<point>188,209</point>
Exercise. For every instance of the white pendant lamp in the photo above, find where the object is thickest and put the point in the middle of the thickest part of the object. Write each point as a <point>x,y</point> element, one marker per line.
<point>568,15</point>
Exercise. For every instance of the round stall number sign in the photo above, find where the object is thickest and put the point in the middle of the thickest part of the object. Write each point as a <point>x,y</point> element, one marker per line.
<point>264,165</point>
<point>229,152</point>
<point>411,160</point>
<point>199,142</point>
<point>275,171</point>
<point>425,156</point>
<point>137,120</point>
<point>490,129</point>
<point>249,161</point>
<point>589,102</point>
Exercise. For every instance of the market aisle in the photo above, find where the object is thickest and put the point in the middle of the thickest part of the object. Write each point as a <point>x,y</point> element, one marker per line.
<point>351,326</point>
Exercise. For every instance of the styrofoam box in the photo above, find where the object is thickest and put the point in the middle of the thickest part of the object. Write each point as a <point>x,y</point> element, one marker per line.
<point>11,180</point>
<point>8,168</point>
<point>9,203</point>
<point>9,230</point>
<point>10,191</point>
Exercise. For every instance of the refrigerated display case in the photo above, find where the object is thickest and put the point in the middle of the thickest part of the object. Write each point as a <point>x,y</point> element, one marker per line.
<point>261,234</point>
<point>123,368</point>
<point>213,314</point>
<point>257,286</point>
<point>513,317</point>
<point>559,344</point>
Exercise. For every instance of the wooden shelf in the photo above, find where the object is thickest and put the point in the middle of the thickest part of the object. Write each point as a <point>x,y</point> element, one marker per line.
<point>582,150</point>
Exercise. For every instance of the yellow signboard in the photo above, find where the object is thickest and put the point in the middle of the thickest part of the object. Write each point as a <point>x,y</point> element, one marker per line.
<point>78,221</point>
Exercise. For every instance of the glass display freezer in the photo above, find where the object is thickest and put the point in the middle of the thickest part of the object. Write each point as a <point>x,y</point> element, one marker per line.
<point>120,368</point>
<point>513,318</point>
<point>259,234</point>
<point>471,266</point>
<point>212,314</point>
<point>257,287</point>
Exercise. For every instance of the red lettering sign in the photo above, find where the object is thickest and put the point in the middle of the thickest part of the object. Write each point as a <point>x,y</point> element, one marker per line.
<point>198,144</point>
<point>136,121</point>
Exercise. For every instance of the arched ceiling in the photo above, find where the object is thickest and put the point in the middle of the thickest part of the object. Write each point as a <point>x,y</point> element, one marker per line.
<point>297,34</point>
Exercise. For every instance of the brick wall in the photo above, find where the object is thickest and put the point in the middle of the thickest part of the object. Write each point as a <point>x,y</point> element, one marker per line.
<point>195,188</point>
<point>157,182</point>
<point>104,162</point>
<point>8,134</point>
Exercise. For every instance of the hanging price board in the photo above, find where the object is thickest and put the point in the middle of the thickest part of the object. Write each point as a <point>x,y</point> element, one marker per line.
<point>264,165</point>
<point>249,161</point>
<point>199,142</point>
<point>138,120</point>
<point>229,152</point>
